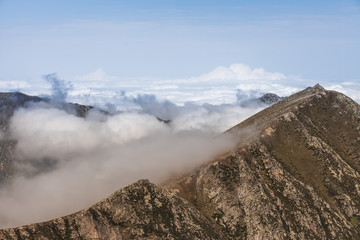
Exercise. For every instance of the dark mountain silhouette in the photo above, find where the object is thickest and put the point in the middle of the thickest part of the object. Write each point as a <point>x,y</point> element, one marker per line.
<point>294,174</point>
<point>270,98</point>
<point>10,101</point>
<point>263,101</point>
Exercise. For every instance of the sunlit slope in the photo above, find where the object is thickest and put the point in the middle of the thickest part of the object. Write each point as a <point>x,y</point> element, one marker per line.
<point>294,173</point>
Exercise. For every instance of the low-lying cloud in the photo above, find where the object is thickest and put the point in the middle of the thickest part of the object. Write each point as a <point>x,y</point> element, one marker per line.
<point>218,86</point>
<point>66,163</point>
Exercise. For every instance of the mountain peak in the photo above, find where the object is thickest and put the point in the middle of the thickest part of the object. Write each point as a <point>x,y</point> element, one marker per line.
<point>317,88</point>
<point>270,98</point>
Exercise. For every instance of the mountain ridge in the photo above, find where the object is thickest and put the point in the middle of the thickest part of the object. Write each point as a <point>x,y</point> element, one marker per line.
<point>284,160</point>
<point>141,198</point>
<point>294,174</point>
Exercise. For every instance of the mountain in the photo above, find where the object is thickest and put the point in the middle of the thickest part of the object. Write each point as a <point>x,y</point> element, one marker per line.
<point>270,98</point>
<point>294,174</point>
<point>264,101</point>
<point>10,101</point>
<point>139,211</point>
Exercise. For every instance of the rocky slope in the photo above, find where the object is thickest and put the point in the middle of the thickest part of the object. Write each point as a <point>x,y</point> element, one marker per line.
<point>294,174</point>
<point>139,211</point>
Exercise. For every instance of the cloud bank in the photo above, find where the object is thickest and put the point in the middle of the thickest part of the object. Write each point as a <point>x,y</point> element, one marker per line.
<point>239,72</point>
<point>99,75</point>
<point>218,86</point>
<point>66,163</point>
<point>14,85</point>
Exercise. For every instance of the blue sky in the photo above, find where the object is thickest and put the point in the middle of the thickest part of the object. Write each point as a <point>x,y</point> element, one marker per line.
<point>307,41</point>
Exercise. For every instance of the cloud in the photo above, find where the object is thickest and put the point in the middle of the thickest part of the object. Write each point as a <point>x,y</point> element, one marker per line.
<point>56,133</point>
<point>98,76</point>
<point>216,87</point>
<point>14,84</point>
<point>239,73</point>
<point>258,89</point>
<point>59,88</point>
<point>67,163</point>
<point>349,88</point>
<point>191,116</point>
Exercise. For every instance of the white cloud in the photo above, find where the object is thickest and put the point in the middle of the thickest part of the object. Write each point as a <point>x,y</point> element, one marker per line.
<point>62,156</point>
<point>239,73</point>
<point>98,76</point>
<point>163,87</point>
<point>349,88</point>
<point>218,86</point>
<point>14,84</point>
<point>258,89</point>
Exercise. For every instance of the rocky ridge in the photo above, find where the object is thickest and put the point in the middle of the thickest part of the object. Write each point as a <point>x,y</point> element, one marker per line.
<point>139,211</point>
<point>294,176</point>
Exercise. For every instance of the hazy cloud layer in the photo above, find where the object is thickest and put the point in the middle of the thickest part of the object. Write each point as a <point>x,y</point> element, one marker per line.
<point>98,76</point>
<point>10,85</point>
<point>218,86</point>
<point>239,72</point>
<point>67,163</point>
<point>350,88</point>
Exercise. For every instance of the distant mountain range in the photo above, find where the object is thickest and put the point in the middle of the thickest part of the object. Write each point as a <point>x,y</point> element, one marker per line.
<point>293,174</point>
<point>10,101</point>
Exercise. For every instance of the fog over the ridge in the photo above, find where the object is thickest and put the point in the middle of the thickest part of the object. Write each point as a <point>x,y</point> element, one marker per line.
<point>59,88</point>
<point>66,163</point>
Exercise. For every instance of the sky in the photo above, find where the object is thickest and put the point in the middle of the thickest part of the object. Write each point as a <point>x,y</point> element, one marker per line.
<point>168,47</point>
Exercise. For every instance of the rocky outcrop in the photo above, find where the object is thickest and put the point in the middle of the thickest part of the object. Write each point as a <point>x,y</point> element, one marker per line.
<point>270,98</point>
<point>294,174</point>
<point>10,101</point>
<point>139,211</point>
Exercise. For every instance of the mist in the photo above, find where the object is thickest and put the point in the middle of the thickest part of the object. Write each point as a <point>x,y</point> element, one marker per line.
<point>66,163</point>
<point>59,88</point>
